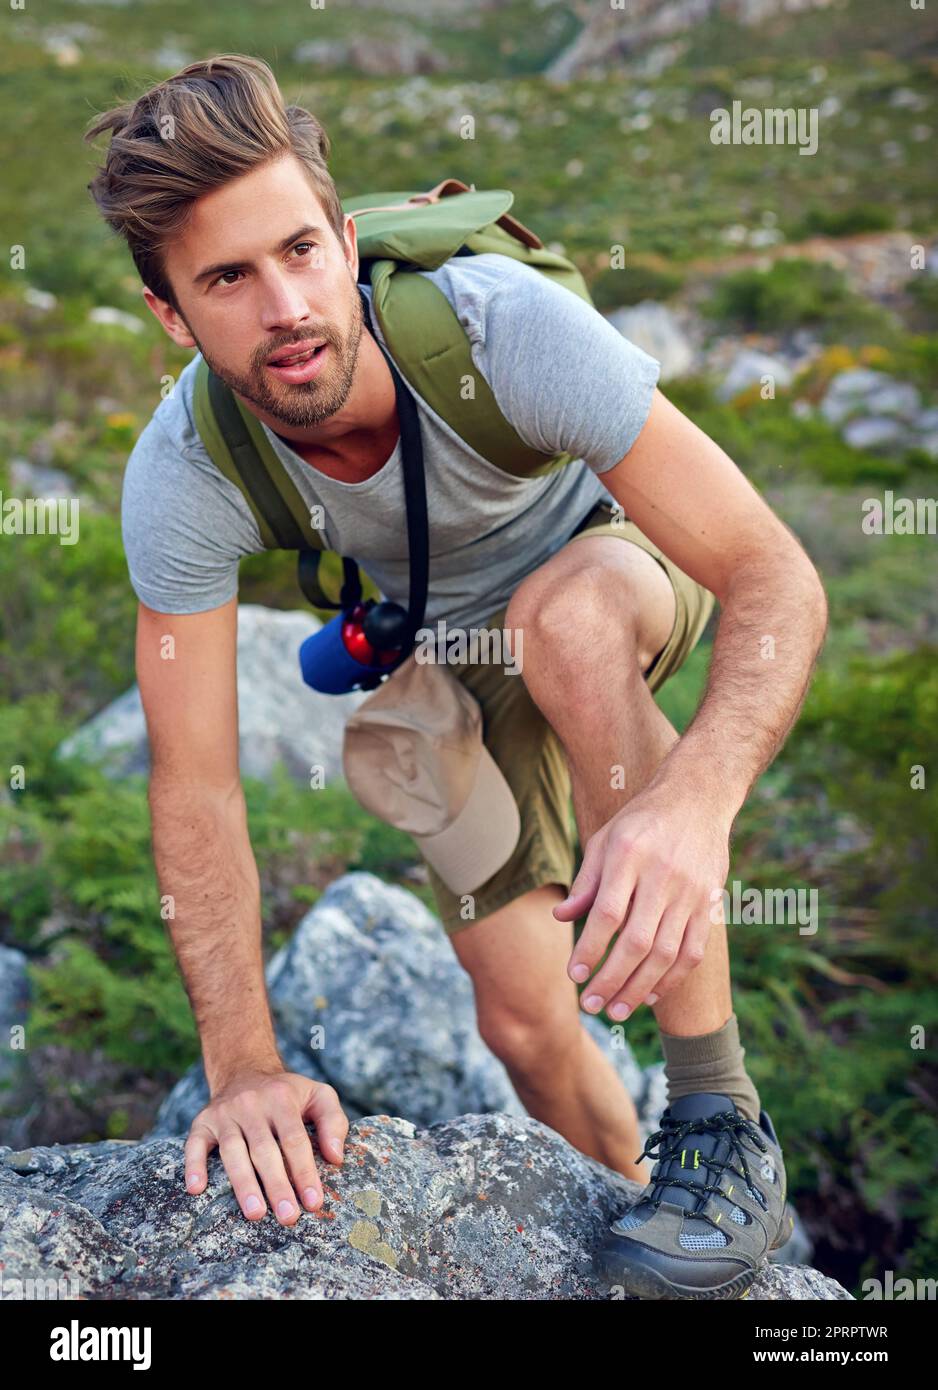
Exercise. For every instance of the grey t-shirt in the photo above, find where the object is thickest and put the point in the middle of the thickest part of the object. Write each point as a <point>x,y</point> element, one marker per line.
<point>562,376</point>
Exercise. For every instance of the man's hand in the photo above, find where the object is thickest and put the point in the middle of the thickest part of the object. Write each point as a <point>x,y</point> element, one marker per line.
<point>665,859</point>
<point>257,1121</point>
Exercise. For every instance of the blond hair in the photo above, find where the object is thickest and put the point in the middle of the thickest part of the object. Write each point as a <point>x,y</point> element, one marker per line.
<point>189,135</point>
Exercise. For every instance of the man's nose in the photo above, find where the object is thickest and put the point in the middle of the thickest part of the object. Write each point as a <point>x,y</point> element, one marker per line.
<point>283,304</point>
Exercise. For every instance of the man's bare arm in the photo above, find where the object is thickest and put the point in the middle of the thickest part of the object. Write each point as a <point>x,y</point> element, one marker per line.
<point>186,668</point>
<point>204,862</point>
<point>687,495</point>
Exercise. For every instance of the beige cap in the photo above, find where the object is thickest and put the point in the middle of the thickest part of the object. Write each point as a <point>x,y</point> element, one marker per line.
<point>413,755</point>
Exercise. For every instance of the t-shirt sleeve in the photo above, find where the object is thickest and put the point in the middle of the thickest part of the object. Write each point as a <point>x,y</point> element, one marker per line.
<point>185,527</point>
<point>562,375</point>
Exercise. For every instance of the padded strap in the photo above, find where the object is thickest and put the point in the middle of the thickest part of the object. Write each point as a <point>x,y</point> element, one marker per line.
<point>248,463</point>
<point>434,354</point>
<point>236,452</point>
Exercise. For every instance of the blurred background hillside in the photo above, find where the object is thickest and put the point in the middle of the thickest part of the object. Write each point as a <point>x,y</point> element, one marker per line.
<point>741,262</point>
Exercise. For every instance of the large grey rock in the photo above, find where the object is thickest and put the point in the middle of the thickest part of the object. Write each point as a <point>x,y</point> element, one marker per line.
<point>371,967</point>
<point>116,318</point>
<point>479,1207</point>
<point>847,393</point>
<point>897,399</point>
<point>611,35</point>
<point>928,443</point>
<point>872,432</point>
<point>462,1196</point>
<point>862,391</point>
<point>32,480</point>
<point>925,425</point>
<point>279,717</point>
<point>661,332</point>
<point>927,421</point>
<point>748,368</point>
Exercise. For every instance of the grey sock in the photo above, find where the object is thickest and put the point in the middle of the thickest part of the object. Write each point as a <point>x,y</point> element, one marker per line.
<point>710,1062</point>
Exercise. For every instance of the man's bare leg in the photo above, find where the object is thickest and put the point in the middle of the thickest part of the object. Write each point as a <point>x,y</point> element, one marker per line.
<point>612,606</point>
<point>529,1016</point>
<point>593,618</point>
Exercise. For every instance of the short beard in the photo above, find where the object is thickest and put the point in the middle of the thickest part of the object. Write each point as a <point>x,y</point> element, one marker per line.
<point>311,402</point>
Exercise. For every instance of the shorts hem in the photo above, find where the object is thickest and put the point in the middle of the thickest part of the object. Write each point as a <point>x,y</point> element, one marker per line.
<point>534,878</point>
<point>693,603</point>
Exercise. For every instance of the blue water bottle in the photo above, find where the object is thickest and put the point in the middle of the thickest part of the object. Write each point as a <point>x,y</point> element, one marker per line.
<point>354,650</point>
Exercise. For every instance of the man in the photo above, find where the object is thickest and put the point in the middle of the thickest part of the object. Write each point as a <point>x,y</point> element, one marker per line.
<point>237,232</point>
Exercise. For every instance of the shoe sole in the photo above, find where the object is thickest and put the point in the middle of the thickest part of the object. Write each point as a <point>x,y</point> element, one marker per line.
<point>643,1282</point>
<point>647,1283</point>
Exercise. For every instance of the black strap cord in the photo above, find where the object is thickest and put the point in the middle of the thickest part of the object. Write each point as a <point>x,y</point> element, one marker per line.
<point>415,495</point>
<point>307,572</point>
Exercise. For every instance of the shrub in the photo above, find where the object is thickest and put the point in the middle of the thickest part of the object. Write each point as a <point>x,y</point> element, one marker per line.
<point>613,288</point>
<point>78,889</point>
<point>865,217</point>
<point>793,294</point>
<point>68,615</point>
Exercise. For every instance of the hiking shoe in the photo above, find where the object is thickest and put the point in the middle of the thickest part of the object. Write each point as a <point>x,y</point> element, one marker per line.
<point>714,1208</point>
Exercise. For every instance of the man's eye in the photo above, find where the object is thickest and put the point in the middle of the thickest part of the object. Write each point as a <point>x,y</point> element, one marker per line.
<point>221,278</point>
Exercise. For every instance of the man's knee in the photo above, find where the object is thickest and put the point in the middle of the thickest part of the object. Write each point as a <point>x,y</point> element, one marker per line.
<point>574,622</point>
<point>559,611</point>
<point>533,1041</point>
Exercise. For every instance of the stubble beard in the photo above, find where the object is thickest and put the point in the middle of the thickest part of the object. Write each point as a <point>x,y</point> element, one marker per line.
<point>310,402</point>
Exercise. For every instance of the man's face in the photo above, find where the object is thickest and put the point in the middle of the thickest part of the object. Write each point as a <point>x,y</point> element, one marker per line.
<point>258,271</point>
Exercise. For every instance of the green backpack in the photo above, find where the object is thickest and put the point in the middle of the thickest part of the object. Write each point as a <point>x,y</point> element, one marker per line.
<point>398,233</point>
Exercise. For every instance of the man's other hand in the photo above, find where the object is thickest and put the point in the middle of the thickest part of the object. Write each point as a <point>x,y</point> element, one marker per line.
<point>258,1121</point>
<point>647,877</point>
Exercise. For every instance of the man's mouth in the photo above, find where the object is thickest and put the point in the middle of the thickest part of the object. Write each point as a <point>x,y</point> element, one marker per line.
<point>289,356</point>
<point>298,365</point>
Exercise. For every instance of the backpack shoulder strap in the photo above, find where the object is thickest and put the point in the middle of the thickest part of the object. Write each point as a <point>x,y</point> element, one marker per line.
<point>432,351</point>
<point>241,451</point>
<point>401,233</point>
<point>239,448</point>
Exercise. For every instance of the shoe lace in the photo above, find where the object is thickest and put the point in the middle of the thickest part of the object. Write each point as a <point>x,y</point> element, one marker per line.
<point>669,1138</point>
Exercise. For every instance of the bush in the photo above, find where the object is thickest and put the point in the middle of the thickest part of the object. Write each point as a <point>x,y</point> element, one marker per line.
<point>68,615</point>
<point>772,445</point>
<point>833,222</point>
<point>923,291</point>
<point>793,294</point>
<point>612,289</point>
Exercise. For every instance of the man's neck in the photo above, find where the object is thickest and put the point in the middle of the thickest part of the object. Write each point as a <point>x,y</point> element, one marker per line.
<point>354,443</point>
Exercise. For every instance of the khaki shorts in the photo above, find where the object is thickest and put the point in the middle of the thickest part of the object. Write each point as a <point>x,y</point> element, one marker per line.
<point>530,754</point>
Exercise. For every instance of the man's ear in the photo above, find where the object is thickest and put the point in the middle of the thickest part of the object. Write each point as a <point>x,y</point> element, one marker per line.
<point>173,323</point>
<point>350,245</point>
